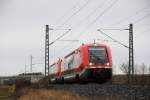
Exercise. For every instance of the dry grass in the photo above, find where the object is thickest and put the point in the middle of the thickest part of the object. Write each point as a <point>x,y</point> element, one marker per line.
<point>119,79</point>
<point>137,80</point>
<point>44,94</point>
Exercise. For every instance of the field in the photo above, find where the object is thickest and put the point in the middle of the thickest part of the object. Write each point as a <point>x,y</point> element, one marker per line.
<point>117,89</point>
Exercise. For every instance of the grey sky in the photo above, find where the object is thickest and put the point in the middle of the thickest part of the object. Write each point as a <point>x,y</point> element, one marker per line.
<point>22,28</point>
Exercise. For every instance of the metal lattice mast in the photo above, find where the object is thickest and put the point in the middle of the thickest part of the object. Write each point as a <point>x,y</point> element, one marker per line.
<point>131,54</point>
<point>47,51</point>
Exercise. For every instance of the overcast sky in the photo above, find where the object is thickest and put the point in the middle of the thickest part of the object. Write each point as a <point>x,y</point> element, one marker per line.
<point>22,29</point>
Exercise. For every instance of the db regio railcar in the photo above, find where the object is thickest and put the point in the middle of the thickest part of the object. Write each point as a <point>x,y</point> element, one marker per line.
<point>89,62</point>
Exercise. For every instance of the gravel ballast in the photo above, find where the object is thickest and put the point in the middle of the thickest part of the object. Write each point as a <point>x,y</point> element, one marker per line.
<point>107,91</point>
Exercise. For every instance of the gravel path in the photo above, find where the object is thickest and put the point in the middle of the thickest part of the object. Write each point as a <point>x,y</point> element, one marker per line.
<point>107,91</point>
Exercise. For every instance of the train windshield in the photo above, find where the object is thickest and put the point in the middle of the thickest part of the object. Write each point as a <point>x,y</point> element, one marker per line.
<point>97,56</point>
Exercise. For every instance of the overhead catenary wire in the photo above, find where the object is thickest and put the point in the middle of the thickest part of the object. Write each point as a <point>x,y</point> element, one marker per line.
<point>128,17</point>
<point>70,17</point>
<point>64,15</point>
<point>120,30</point>
<point>60,37</point>
<point>135,22</point>
<point>104,40</point>
<point>144,32</point>
<point>97,18</point>
<point>91,13</point>
<point>69,40</point>
<point>121,44</point>
<point>140,19</point>
<point>100,15</point>
<point>66,21</point>
<point>112,38</point>
<point>112,29</point>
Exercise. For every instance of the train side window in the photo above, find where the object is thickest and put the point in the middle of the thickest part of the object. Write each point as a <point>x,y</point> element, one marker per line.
<point>73,59</point>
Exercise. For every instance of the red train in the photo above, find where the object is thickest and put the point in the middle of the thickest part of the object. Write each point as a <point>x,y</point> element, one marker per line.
<point>90,62</point>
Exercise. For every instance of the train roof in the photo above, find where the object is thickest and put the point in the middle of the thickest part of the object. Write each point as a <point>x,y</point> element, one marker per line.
<point>94,44</point>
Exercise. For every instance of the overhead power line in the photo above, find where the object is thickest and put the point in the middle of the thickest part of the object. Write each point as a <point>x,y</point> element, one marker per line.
<point>60,37</point>
<point>146,31</point>
<point>135,22</point>
<point>134,14</point>
<point>113,38</point>
<point>140,19</point>
<point>112,29</point>
<point>73,7</point>
<point>58,29</point>
<point>69,40</point>
<point>70,17</point>
<point>101,14</point>
<point>90,14</point>
<point>104,40</point>
<point>141,33</point>
<point>120,30</point>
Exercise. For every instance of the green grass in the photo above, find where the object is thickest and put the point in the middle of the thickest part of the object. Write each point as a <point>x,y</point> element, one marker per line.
<point>7,92</point>
<point>4,91</point>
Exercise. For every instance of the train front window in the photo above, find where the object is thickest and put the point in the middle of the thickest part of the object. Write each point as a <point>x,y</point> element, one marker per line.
<point>97,56</point>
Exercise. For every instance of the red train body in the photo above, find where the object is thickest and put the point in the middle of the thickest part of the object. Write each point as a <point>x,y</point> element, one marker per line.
<point>90,62</point>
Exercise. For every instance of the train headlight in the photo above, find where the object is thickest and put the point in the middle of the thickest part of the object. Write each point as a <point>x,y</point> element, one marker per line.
<point>107,64</point>
<point>90,64</point>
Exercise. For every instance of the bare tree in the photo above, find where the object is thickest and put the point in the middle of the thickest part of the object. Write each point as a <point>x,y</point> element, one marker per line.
<point>124,68</point>
<point>149,70</point>
<point>136,70</point>
<point>114,69</point>
<point>139,70</point>
<point>149,76</point>
<point>142,72</point>
<point>143,69</point>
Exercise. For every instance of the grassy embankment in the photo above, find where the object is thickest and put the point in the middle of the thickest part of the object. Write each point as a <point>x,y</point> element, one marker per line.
<point>28,93</point>
<point>7,92</point>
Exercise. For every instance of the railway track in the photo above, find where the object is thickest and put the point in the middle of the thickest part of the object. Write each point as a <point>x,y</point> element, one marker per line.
<point>106,91</point>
